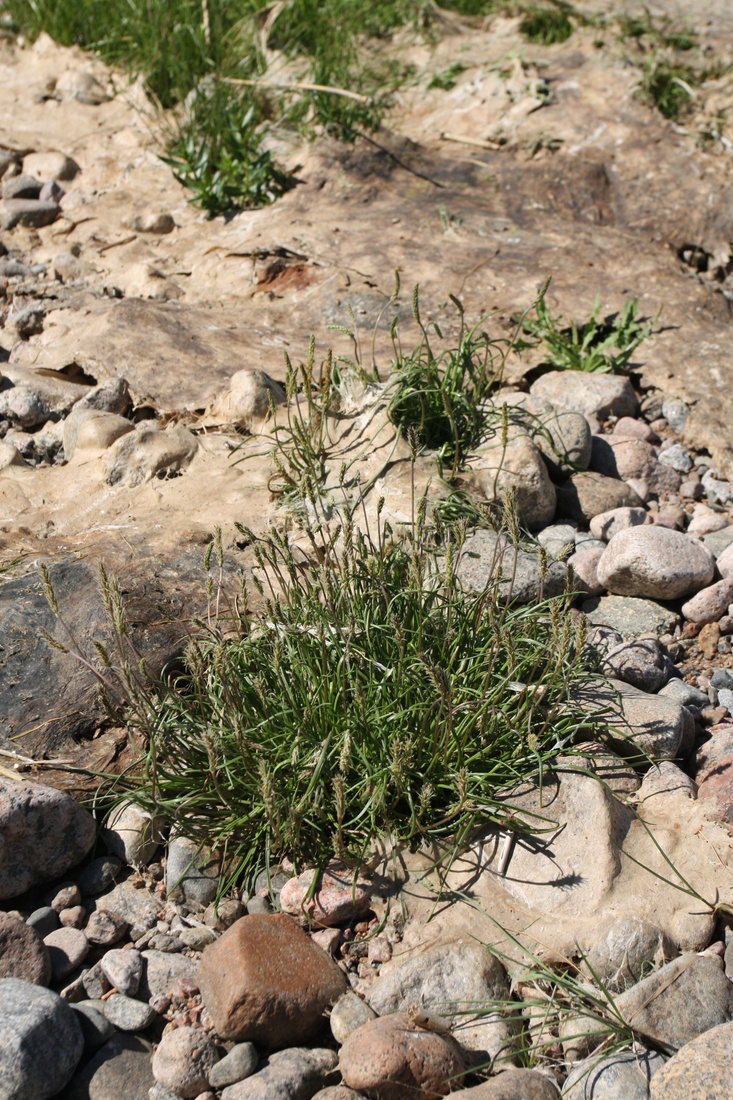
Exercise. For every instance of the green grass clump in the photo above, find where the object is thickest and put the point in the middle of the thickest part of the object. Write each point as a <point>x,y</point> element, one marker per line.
<point>448,78</point>
<point>661,34</point>
<point>442,396</point>
<point>546,26</point>
<point>374,696</point>
<point>216,153</point>
<point>669,86</point>
<point>596,346</point>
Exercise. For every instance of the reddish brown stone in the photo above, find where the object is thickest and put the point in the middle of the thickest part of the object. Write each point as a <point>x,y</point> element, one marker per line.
<point>340,896</point>
<point>387,1059</point>
<point>266,981</point>
<point>23,954</point>
<point>714,769</point>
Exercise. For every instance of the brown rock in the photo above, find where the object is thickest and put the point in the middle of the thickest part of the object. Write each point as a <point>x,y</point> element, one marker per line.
<point>65,897</point>
<point>587,494</point>
<point>701,1070</point>
<point>387,1059</point>
<point>23,953</point>
<point>513,1084</point>
<point>105,928</point>
<point>708,639</point>
<point>340,896</point>
<point>265,980</point>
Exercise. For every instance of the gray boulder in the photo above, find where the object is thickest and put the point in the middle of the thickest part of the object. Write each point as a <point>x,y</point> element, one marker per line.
<point>679,1002</point>
<point>41,1041</point>
<point>43,832</point>
<point>598,395</point>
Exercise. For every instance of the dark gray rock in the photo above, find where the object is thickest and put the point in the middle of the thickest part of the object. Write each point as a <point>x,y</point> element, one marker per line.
<point>120,1070</point>
<point>241,1062</point>
<point>44,920</point>
<point>98,876</point>
<point>95,1027</point>
<point>40,1041</point>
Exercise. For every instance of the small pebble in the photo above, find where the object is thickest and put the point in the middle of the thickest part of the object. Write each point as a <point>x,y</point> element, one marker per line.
<point>99,876</point>
<point>73,917</point>
<point>105,928</point>
<point>677,457</point>
<point>45,920</point>
<point>66,897</point>
<point>197,938</point>
<point>123,969</point>
<point>95,982</point>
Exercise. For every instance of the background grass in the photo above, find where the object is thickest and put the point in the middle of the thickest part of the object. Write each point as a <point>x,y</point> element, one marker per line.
<point>191,53</point>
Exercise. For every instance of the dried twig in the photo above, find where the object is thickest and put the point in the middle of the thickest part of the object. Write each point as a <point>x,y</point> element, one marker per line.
<point>298,86</point>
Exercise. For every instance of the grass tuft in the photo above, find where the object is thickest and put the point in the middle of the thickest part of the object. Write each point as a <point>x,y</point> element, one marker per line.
<point>595,346</point>
<point>546,26</point>
<point>374,676</point>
